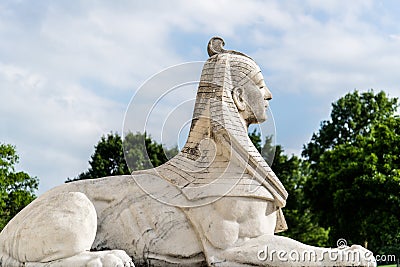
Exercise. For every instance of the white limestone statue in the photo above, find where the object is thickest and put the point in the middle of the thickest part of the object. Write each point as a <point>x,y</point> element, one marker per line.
<point>217,203</point>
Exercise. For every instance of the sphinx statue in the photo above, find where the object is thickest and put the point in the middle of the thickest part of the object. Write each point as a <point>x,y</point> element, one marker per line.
<point>216,203</point>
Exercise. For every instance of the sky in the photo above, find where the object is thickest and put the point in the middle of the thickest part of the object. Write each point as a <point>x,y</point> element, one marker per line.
<point>69,69</point>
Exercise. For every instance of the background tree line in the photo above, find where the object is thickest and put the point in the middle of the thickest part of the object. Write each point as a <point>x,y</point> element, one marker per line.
<point>17,188</point>
<point>345,185</point>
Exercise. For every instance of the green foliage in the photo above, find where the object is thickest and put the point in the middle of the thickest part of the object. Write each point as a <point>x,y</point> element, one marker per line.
<point>16,188</point>
<point>107,160</point>
<point>351,115</point>
<point>354,187</point>
<point>292,172</point>
<point>112,154</point>
<point>141,152</point>
<point>255,138</point>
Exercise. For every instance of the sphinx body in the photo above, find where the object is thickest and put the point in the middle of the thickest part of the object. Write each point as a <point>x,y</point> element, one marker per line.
<point>216,203</point>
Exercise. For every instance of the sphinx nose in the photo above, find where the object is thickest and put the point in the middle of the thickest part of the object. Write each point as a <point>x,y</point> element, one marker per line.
<point>267,94</point>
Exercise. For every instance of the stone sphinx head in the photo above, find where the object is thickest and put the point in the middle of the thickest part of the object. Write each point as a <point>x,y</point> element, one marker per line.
<point>249,92</point>
<point>232,91</point>
<point>219,158</point>
<point>251,99</point>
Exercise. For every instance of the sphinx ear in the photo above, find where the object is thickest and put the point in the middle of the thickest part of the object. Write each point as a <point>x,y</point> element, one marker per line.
<point>237,95</point>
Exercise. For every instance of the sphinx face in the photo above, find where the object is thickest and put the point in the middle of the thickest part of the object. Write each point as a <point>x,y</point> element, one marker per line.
<point>252,99</point>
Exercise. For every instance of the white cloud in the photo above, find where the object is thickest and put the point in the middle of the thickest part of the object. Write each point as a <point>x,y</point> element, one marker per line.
<point>322,57</point>
<point>52,114</point>
<point>227,17</point>
<point>52,127</point>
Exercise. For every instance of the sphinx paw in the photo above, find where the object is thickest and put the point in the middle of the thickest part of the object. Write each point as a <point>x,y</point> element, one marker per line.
<point>111,258</point>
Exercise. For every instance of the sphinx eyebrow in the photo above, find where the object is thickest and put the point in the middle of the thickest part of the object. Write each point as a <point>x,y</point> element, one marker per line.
<point>260,81</point>
<point>256,77</point>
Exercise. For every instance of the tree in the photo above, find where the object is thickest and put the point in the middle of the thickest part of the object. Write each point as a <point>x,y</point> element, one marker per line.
<point>255,138</point>
<point>292,172</point>
<point>107,159</point>
<point>16,188</point>
<point>354,186</point>
<point>112,154</point>
<point>142,152</point>
<point>351,115</point>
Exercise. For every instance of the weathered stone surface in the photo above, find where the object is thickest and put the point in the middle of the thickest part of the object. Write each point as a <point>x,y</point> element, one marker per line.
<point>39,231</point>
<point>216,203</point>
